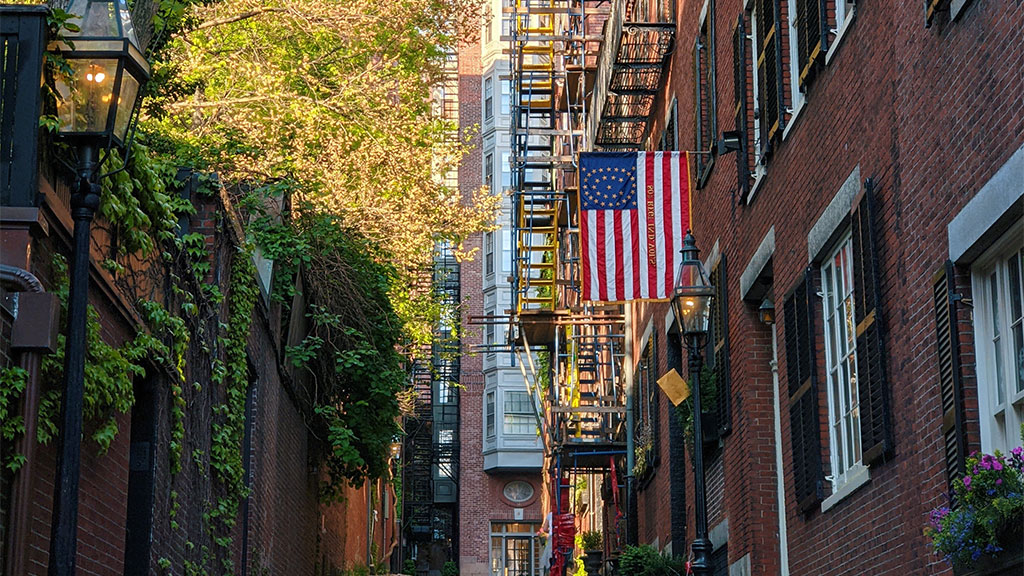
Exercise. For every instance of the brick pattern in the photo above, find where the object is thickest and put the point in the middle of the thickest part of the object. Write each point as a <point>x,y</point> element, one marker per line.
<point>931,114</point>
<point>288,529</point>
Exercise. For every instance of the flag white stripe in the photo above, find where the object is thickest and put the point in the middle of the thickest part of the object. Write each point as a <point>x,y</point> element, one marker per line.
<point>641,206</point>
<point>592,252</point>
<point>659,224</point>
<point>627,258</point>
<point>677,217</point>
<point>609,252</point>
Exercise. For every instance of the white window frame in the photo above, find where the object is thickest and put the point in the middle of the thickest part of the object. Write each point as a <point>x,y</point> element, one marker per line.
<point>501,532</point>
<point>1000,417</point>
<point>490,415</point>
<point>520,418</point>
<point>488,101</point>
<point>489,253</point>
<point>846,10</point>
<point>845,450</point>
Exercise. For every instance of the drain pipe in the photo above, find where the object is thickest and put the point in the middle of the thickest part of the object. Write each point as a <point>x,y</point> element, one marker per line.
<point>780,486</point>
<point>33,308</point>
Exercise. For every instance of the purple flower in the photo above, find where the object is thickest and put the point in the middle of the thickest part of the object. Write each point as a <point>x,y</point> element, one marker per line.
<point>967,482</point>
<point>999,481</point>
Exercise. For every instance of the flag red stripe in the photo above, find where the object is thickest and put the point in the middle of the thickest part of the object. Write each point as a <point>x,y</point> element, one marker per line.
<point>666,195</point>
<point>602,268</point>
<point>652,252</point>
<point>620,257</point>
<point>586,269</point>
<point>634,227</point>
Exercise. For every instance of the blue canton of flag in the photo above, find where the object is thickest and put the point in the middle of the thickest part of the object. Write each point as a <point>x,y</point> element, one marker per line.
<point>608,181</point>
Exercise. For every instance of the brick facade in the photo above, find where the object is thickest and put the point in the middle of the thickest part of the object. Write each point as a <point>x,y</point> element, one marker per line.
<point>931,115</point>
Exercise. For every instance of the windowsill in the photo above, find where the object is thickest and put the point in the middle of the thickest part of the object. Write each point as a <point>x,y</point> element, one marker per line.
<point>838,40</point>
<point>856,477</point>
<point>758,176</point>
<point>792,117</point>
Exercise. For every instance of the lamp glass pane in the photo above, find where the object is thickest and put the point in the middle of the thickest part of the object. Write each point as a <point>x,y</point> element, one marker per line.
<point>125,105</point>
<point>102,18</point>
<point>85,96</point>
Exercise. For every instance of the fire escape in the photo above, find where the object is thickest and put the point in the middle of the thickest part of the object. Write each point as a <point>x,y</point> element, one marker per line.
<point>584,75</point>
<point>431,452</point>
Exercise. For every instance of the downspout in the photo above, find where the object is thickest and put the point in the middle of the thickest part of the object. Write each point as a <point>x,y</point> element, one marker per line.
<point>780,486</point>
<point>631,507</point>
<point>21,486</point>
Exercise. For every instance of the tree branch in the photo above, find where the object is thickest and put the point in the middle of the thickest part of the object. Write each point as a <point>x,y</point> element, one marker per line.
<point>238,17</point>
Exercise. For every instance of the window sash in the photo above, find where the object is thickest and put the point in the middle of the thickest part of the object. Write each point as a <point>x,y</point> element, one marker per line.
<point>489,415</point>
<point>841,362</point>
<point>999,317</point>
<point>518,414</point>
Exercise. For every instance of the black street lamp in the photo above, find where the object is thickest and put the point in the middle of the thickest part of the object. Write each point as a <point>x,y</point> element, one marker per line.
<point>691,302</point>
<point>98,103</point>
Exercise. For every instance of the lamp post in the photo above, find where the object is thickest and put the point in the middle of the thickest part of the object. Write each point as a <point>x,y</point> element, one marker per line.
<point>98,103</point>
<point>691,303</point>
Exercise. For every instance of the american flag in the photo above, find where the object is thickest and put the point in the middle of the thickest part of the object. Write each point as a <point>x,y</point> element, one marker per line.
<point>634,210</point>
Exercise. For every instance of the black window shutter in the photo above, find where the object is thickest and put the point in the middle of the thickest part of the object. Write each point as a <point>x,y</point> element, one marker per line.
<point>872,386</point>
<point>769,64</point>
<point>812,36</point>
<point>698,106</point>
<point>950,376</point>
<point>723,379</point>
<point>739,71</point>
<point>802,381</point>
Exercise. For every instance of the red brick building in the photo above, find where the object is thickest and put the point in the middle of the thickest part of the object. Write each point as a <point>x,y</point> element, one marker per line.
<point>877,193</point>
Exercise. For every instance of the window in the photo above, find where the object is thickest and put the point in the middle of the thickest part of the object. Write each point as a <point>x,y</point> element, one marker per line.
<point>515,549</point>
<point>669,137</point>
<point>645,408</point>
<point>742,119</point>
<point>489,332</point>
<point>998,286</point>
<point>518,413</point>
<point>852,318</point>
<point>488,99</point>
<point>505,96</point>
<point>841,361</point>
<point>488,253</point>
<point>506,170</point>
<point>704,71</point>
<point>489,415</point>
<point>489,172</point>
<point>506,250</point>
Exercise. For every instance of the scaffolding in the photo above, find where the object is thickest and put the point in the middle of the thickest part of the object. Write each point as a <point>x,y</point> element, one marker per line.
<point>584,74</point>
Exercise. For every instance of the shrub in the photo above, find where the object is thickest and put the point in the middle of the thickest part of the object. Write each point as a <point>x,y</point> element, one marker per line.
<point>592,540</point>
<point>646,561</point>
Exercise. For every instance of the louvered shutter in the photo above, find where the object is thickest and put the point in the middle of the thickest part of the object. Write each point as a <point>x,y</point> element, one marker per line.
<point>720,318</point>
<point>802,381</point>
<point>872,386</point>
<point>812,36</point>
<point>769,65</point>
<point>950,377</point>
<point>698,110</point>
<point>739,72</point>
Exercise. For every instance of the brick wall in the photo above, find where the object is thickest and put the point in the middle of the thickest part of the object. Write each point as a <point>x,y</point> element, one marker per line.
<point>930,114</point>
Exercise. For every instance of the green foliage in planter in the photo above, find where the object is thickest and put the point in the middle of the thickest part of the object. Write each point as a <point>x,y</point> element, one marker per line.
<point>708,400</point>
<point>592,540</point>
<point>646,561</point>
<point>989,510</point>
<point>450,569</point>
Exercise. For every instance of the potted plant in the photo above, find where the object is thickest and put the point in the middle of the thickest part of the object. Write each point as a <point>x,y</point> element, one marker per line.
<point>646,561</point>
<point>592,543</point>
<point>982,533</point>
